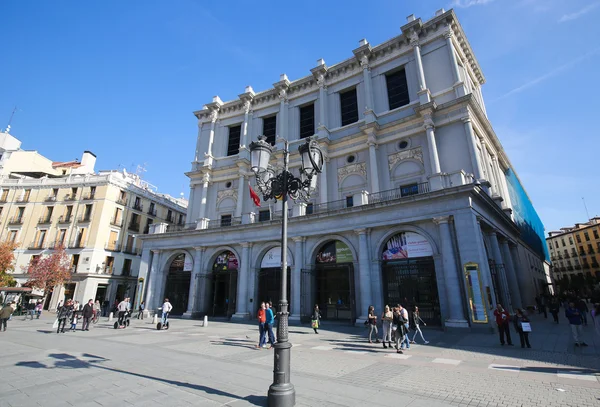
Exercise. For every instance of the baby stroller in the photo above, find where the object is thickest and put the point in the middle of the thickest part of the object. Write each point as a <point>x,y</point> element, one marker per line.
<point>124,322</point>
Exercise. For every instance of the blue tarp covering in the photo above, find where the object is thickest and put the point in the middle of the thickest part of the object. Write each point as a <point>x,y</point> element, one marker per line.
<point>525,216</point>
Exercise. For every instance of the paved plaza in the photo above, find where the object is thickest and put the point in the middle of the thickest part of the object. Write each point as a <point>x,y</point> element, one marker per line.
<point>218,365</point>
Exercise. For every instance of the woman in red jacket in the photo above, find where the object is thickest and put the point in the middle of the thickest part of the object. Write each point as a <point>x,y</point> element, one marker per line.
<point>262,319</point>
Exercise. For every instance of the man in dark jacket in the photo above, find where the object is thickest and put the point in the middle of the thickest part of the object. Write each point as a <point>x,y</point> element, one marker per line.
<point>575,320</point>
<point>65,312</point>
<point>87,313</point>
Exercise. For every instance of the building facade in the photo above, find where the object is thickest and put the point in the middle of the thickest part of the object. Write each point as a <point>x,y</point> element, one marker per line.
<point>97,217</point>
<point>575,255</point>
<point>417,202</point>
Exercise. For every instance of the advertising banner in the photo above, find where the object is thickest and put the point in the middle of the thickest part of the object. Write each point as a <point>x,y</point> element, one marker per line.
<point>188,263</point>
<point>406,245</point>
<point>272,258</point>
<point>334,252</point>
<point>225,261</point>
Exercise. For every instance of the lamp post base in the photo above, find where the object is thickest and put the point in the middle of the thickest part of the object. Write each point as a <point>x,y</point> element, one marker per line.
<point>281,392</point>
<point>281,395</point>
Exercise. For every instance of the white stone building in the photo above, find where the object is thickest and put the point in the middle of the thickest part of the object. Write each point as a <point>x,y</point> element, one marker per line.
<point>417,203</point>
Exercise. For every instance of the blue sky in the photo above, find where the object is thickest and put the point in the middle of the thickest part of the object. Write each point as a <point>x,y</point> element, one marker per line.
<point>121,78</point>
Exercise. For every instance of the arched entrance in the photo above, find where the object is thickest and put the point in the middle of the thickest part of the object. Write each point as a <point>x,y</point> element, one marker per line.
<point>408,274</point>
<point>330,283</point>
<point>269,277</point>
<point>178,285</point>
<point>224,273</point>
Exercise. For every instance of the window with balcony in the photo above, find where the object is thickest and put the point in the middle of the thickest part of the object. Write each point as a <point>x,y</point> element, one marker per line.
<point>12,236</point>
<point>270,129</point>
<point>74,262</point>
<point>92,193</point>
<point>79,239</point>
<point>60,239</point>
<point>130,245</point>
<point>126,268</point>
<point>18,218</point>
<point>47,218</point>
<point>556,244</point>
<point>309,208</point>
<point>4,195</point>
<point>180,221</point>
<point>587,236</point>
<point>233,142</point>
<point>349,201</point>
<point>152,209</point>
<point>225,220</point>
<point>578,238</point>
<point>87,214</point>
<point>122,199</point>
<point>170,216</point>
<point>25,195</point>
<point>307,121</point>
<point>570,240</point>
<point>408,190</point>
<point>397,89</point>
<point>117,219</point>
<point>109,264</point>
<point>590,249</point>
<point>349,107</point>
<point>134,224</point>
<point>596,235</point>
<point>563,242</point>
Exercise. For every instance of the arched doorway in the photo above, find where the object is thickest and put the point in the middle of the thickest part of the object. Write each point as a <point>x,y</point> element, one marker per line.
<point>330,283</point>
<point>409,278</point>
<point>269,277</point>
<point>224,273</point>
<point>178,285</point>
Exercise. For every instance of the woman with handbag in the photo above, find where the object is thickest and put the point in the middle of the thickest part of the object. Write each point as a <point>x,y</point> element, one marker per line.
<point>519,320</point>
<point>316,318</point>
<point>372,319</point>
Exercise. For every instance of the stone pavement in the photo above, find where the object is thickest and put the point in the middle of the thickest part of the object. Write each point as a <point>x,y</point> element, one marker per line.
<point>219,365</point>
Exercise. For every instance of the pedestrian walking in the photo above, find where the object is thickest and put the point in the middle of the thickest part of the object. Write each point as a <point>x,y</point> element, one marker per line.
<point>59,306</point>
<point>64,312</point>
<point>398,329</point>
<point>261,315</point>
<point>122,308</point>
<point>596,318</point>
<point>502,320</point>
<point>554,308</point>
<point>38,309</point>
<point>141,308</point>
<point>405,318</point>
<point>387,319</point>
<point>97,309</point>
<point>575,320</point>
<point>5,314</point>
<point>87,313</point>
<point>523,330</point>
<point>270,320</point>
<point>316,319</point>
<point>372,323</point>
<point>416,326</point>
<point>583,310</point>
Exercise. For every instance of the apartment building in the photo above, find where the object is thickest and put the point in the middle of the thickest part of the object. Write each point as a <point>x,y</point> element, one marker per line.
<point>96,216</point>
<point>417,202</point>
<point>575,254</point>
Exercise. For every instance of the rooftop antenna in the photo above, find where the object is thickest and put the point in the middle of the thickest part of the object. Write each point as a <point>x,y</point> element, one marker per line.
<point>586,209</point>
<point>140,169</point>
<point>10,120</point>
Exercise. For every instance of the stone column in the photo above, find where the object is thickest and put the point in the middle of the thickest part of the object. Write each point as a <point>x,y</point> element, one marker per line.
<point>240,196</point>
<point>197,154</point>
<point>242,289</point>
<point>364,277</point>
<point>202,212</point>
<point>500,178</point>
<point>459,87</point>
<point>511,275</point>
<point>297,278</point>
<point>323,181</point>
<point>488,168</point>
<point>369,109</point>
<point>152,256</point>
<point>373,165</point>
<point>477,171</point>
<point>436,181</point>
<point>454,284</point>
<point>211,137</point>
<point>322,128</point>
<point>522,278</point>
<point>246,124</point>
<point>506,301</point>
<point>195,275</point>
<point>423,92</point>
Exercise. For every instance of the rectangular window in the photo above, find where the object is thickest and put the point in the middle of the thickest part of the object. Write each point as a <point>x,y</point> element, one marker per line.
<point>349,107</point>
<point>590,249</point>
<point>69,212</point>
<point>307,121</point>
<point>109,262</point>
<point>4,195</point>
<point>113,240</point>
<point>92,192</point>
<point>556,244</point>
<point>349,201</point>
<point>309,209</point>
<point>126,267</point>
<point>27,195</point>
<point>180,219</point>
<point>264,215</point>
<point>169,216</point>
<point>60,240</point>
<point>596,235</point>
<point>41,238</point>
<point>570,240</point>
<point>75,262</point>
<point>587,236</point>
<point>225,220</point>
<point>578,238</point>
<point>408,190</point>
<point>397,89</point>
<point>270,129</point>
<point>55,192</point>
<point>563,242</point>
<point>233,143</point>
<point>148,223</point>
<point>12,236</point>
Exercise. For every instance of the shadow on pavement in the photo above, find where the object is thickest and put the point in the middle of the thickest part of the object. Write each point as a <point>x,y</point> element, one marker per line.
<point>67,361</point>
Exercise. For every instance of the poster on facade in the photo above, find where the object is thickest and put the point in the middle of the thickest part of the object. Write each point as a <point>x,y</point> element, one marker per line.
<point>334,252</point>
<point>475,293</point>
<point>188,263</point>
<point>406,245</point>
<point>225,261</point>
<point>272,258</point>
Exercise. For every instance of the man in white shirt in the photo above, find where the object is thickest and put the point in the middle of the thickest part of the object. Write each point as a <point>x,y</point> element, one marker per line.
<point>122,308</point>
<point>166,308</point>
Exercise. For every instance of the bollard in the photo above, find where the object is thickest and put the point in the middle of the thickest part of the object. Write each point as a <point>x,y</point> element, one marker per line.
<point>205,324</point>
<point>110,317</point>
<point>155,320</point>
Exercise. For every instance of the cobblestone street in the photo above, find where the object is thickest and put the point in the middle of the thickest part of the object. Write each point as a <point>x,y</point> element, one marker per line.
<point>219,365</point>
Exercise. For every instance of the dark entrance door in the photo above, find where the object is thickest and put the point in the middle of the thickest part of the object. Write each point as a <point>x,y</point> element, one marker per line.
<point>177,291</point>
<point>269,285</point>
<point>331,286</point>
<point>101,293</point>
<point>224,293</point>
<point>412,282</point>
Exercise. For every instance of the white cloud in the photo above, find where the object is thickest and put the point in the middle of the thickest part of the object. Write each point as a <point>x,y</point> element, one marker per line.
<point>577,14</point>
<point>550,74</point>
<point>469,3</point>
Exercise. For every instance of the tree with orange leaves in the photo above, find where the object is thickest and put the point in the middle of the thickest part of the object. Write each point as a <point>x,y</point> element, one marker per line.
<point>7,263</point>
<point>49,271</point>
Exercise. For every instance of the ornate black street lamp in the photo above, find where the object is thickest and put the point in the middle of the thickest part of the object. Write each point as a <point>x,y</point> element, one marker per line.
<point>280,186</point>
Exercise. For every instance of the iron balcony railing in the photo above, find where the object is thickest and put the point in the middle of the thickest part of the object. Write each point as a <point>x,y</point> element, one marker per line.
<point>400,192</point>
<point>152,211</point>
<point>122,201</point>
<point>85,218</point>
<point>113,247</point>
<point>45,220</point>
<point>89,197</point>
<point>179,228</point>
<point>134,227</point>
<point>16,220</point>
<point>130,250</point>
<point>36,246</point>
<point>170,219</point>
<point>116,222</point>
<point>70,197</point>
<point>65,219</point>
<point>138,207</point>
<point>51,198</point>
<point>23,199</point>
<point>223,223</point>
